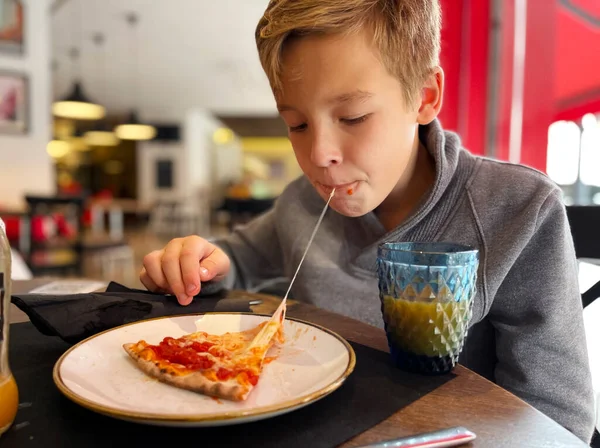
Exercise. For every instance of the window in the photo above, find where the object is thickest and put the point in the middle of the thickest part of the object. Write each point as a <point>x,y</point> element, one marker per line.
<point>574,159</point>
<point>590,151</point>
<point>563,152</point>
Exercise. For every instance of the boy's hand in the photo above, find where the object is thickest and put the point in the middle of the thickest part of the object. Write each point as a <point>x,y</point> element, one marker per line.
<point>182,265</point>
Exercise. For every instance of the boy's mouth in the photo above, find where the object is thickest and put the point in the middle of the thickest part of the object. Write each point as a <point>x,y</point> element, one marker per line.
<point>340,189</point>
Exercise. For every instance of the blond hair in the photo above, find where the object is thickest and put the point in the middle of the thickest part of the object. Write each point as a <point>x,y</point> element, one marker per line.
<point>407,33</point>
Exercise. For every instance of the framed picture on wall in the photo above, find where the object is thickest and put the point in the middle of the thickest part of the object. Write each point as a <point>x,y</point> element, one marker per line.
<point>11,26</point>
<point>14,99</point>
<point>164,174</point>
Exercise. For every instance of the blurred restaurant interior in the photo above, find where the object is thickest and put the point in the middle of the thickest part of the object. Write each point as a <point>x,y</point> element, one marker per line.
<point>125,123</point>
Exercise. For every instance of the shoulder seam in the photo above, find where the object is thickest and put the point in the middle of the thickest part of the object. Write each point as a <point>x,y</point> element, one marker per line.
<point>476,168</point>
<point>542,206</point>
<point>518,167</point>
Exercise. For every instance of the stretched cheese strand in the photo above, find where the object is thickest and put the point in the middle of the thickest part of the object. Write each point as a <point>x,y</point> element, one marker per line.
<point>266,334</point>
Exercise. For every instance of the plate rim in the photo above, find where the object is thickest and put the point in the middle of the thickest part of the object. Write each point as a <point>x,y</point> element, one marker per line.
<point>264,411</point>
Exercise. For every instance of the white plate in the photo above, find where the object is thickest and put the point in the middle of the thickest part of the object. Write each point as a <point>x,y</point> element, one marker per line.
<point>99,375</point>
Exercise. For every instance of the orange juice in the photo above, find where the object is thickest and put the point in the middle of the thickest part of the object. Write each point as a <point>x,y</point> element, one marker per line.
<point>9,395</point>
<point>9,402</point>
<point>426,328</point>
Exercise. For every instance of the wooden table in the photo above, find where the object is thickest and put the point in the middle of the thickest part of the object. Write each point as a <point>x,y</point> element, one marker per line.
<point>499,418</point>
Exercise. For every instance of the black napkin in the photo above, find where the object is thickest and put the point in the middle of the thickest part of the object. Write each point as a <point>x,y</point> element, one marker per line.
<point>74,317</point>
<point>372,393</point>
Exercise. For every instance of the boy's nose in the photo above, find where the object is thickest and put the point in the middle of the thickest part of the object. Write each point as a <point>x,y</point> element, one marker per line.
<point>325,153</point>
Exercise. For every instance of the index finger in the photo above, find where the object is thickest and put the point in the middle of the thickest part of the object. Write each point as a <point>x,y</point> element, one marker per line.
<point>193,250</point>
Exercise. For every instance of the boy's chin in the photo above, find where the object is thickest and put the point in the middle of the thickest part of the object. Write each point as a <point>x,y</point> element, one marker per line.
<point>351,210</point>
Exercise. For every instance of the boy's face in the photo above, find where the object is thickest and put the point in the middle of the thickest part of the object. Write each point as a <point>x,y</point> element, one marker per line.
<point>348,122</point>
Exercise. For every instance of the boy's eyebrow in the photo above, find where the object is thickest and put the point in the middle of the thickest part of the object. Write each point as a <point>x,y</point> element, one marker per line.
<point>356,95</point>
<point>284,107</point>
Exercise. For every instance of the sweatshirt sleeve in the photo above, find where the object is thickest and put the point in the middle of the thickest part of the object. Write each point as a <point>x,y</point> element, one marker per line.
<point>255,252</point>
<point>538,317</point>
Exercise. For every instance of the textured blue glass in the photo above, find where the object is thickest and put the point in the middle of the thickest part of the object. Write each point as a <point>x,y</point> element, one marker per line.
<point>426,292</point>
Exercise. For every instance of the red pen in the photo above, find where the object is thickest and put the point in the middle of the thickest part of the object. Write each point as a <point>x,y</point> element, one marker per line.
<point>437,439</point>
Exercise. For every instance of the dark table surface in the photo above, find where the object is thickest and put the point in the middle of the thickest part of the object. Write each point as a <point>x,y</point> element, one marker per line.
<point>499,418</point>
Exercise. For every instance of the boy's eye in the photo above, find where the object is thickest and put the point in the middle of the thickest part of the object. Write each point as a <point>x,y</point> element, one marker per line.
<point>353,121</point>
<point>349,121</point>
<point>298,128</point>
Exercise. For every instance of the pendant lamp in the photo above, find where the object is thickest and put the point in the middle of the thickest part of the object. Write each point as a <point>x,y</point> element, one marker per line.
<point>100,134</point>
<point>77,106</point>
<point>133,129</point>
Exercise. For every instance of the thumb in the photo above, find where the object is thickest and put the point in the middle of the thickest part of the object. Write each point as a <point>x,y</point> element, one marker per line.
<point>215,266</point>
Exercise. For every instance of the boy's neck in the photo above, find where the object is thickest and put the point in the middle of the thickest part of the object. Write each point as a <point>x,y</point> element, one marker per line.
<point>411,189</point>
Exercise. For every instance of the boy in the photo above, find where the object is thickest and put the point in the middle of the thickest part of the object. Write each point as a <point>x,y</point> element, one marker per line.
<point>359,85</point>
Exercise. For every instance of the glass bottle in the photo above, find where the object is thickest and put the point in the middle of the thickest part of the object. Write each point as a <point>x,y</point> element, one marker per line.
<point>9,394</point>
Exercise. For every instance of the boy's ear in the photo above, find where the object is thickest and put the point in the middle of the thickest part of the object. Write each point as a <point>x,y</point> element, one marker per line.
<point>431,97</point>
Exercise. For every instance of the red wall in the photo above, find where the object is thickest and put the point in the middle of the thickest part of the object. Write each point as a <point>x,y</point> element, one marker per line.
<point>538,88</point>
<point>464,59</point>
<point>450,61</point>
<point>539,103</point>
<point>505,81</point>
<point>465,54</point>
<point>577,62</point>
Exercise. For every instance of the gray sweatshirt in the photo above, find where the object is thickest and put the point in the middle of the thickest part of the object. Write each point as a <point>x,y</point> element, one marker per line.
<point>527,331</point>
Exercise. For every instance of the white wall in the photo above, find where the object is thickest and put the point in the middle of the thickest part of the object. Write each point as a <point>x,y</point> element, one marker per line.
<point>190,53</point>
<point>25,166</point>
<point>228,162</point>
<point>198,128</point>
<point>199,164</point>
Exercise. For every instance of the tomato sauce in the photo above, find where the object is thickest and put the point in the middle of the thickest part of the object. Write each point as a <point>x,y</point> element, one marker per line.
<point>189,356</point>
<point>192,358</point>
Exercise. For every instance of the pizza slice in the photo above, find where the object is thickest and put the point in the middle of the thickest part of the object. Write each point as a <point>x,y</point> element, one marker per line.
<point>227,366</point>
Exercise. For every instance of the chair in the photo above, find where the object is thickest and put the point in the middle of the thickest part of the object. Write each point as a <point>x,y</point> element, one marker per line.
<point>584,221</point>
<point>243,209</point>
<point>60,253</point>
<point>181,216</point>
<point>585,229</point>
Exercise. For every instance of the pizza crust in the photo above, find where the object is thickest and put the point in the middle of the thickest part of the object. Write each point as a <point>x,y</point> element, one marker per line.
<point>194,381</point>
